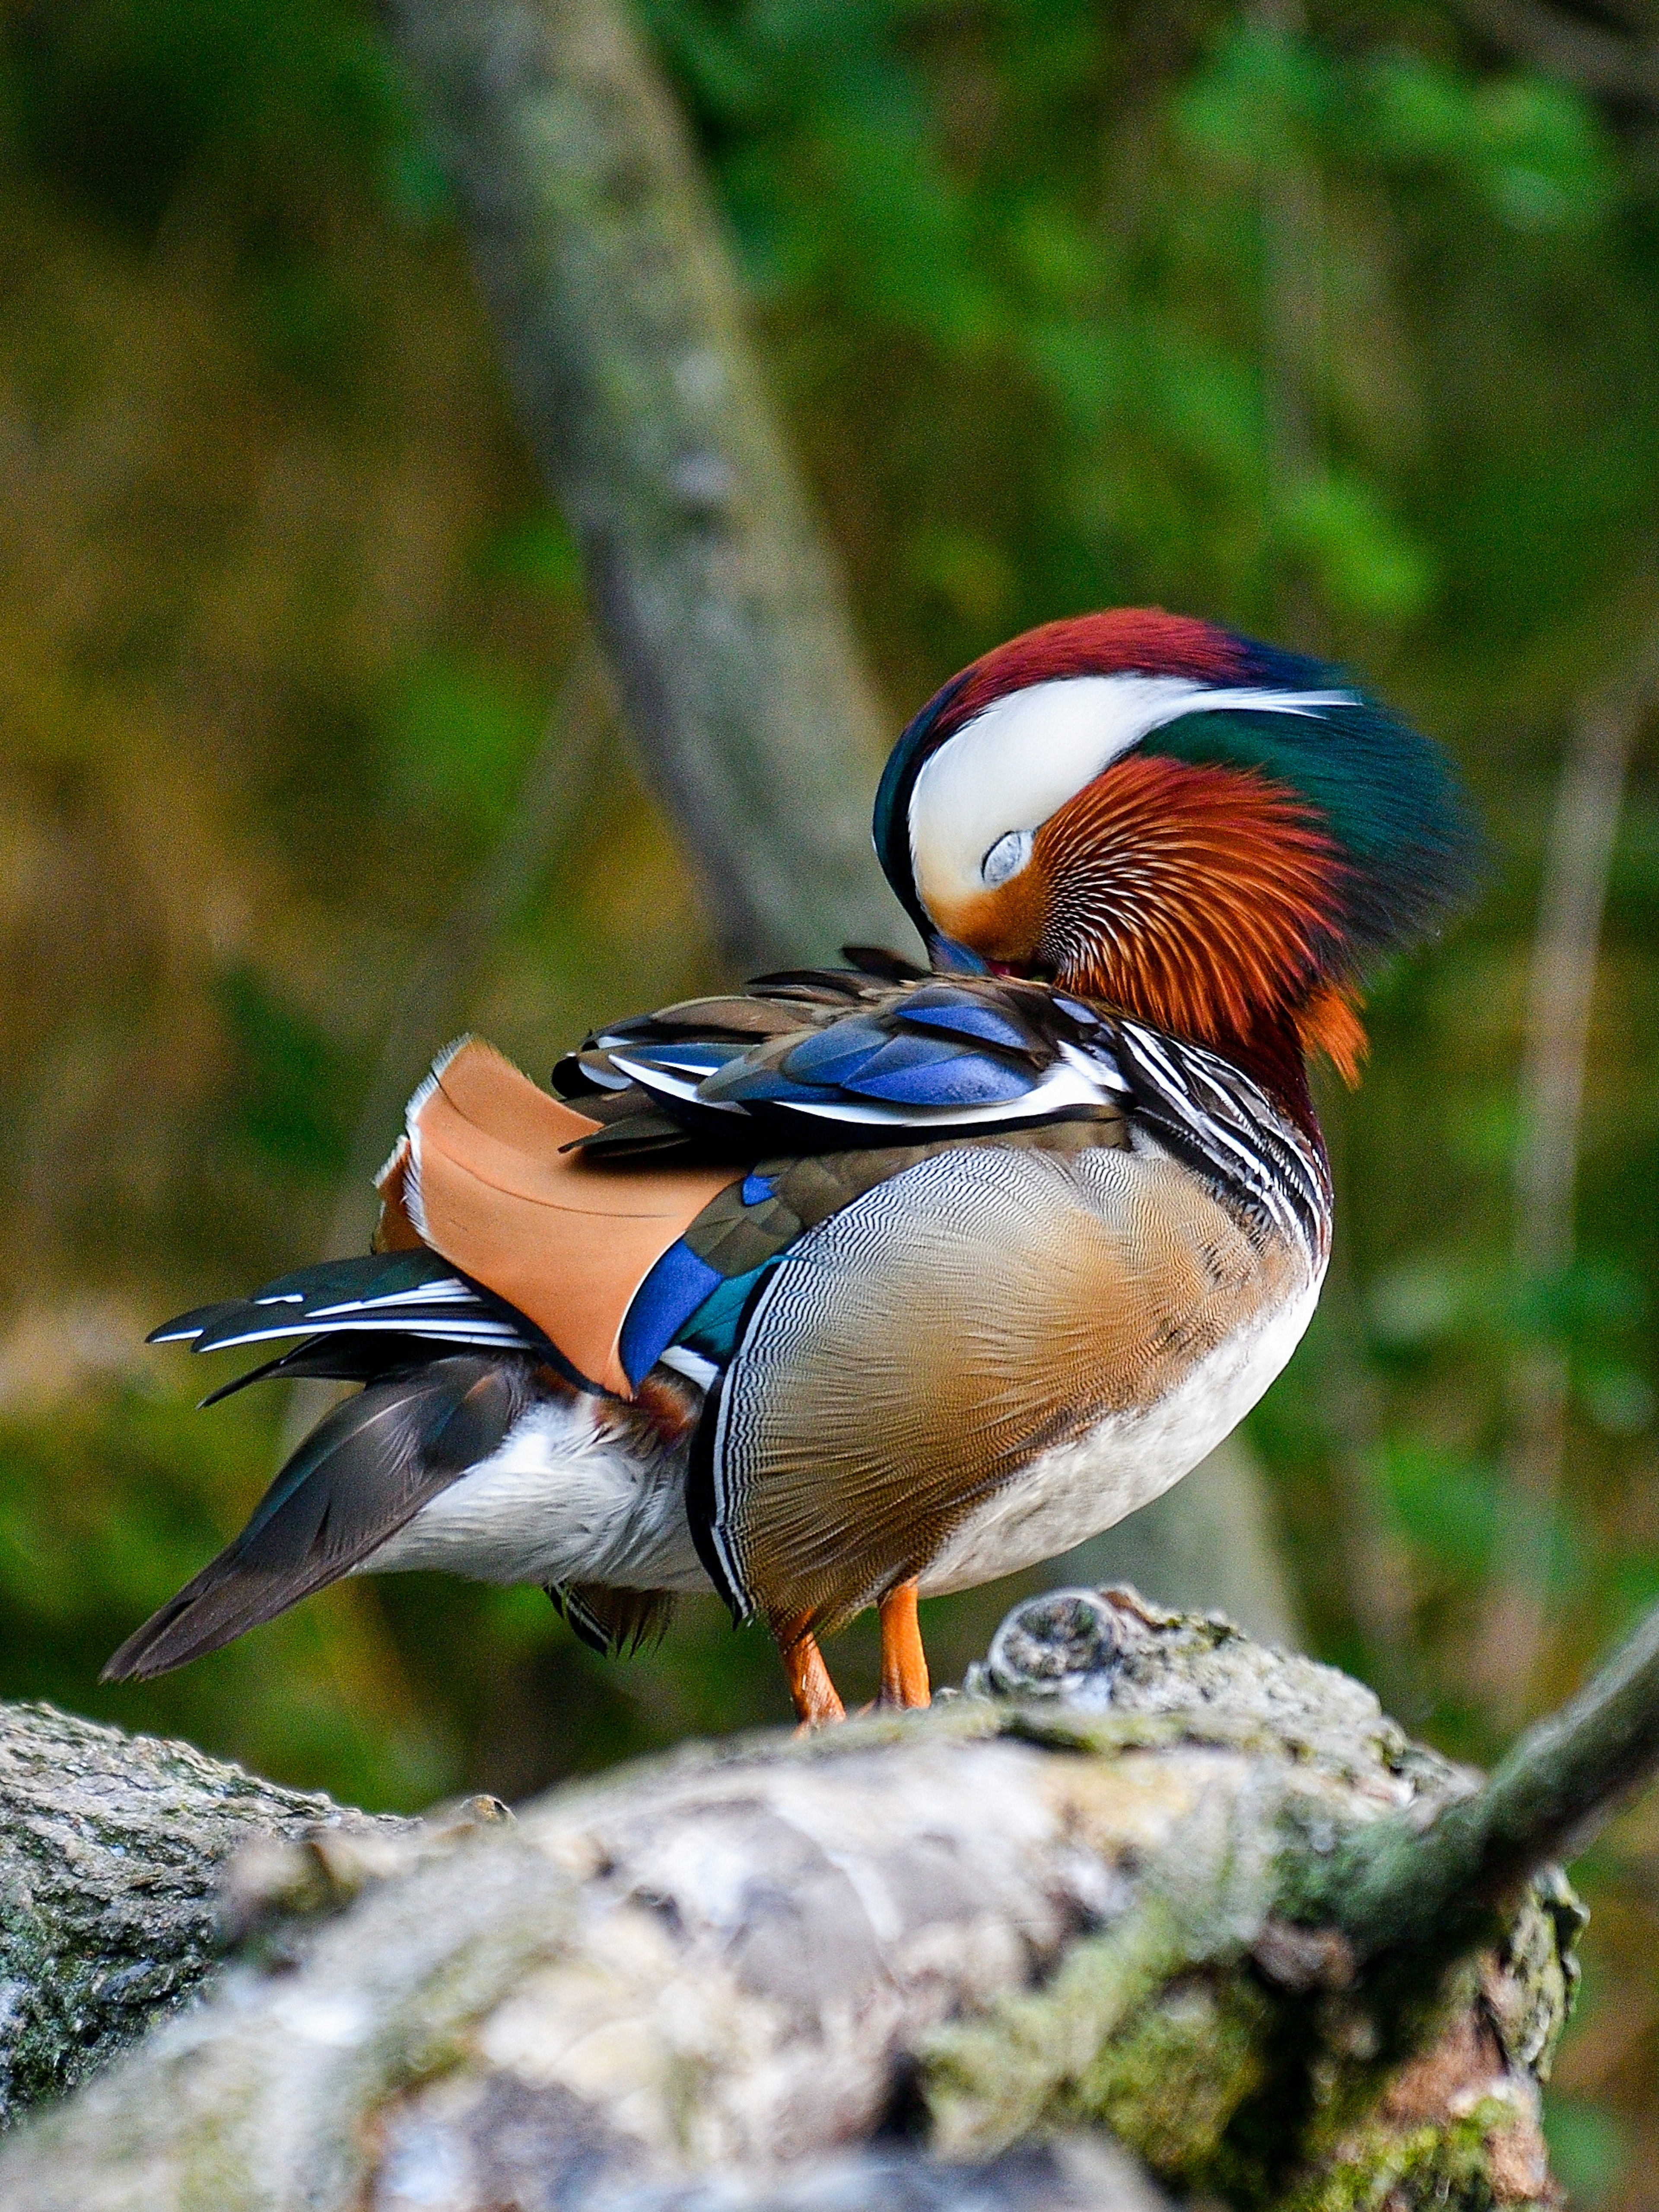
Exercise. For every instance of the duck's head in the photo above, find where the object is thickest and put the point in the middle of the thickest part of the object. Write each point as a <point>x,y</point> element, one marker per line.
<point>1205,832</point>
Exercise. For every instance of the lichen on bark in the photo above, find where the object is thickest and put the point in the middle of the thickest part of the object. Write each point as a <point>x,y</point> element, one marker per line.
<point>111,1851</point>
<point>1238,2049</point>
<point>1050,1909</point>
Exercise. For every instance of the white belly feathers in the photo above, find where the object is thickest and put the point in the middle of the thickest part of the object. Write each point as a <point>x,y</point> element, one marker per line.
<point>1072,1492</point>
<point>562,1500</point>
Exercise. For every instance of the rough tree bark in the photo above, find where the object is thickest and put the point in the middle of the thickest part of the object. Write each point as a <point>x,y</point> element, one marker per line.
<point>110,1850</point>
<point>1148,1907</point>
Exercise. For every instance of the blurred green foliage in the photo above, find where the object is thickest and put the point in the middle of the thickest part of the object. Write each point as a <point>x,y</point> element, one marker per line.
<point>1349,335</point>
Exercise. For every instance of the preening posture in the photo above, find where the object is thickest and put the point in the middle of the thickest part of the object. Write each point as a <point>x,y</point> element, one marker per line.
<point>868,1281</point>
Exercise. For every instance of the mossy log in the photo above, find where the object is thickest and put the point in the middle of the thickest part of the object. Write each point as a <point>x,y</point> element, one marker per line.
<point>111,1853</point>
<point>1093,1933</point>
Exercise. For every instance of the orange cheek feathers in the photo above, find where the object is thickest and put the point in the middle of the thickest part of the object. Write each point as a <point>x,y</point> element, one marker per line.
<point>1005,924</point>
<point>1330,1023</point>
<point>1203,899</point>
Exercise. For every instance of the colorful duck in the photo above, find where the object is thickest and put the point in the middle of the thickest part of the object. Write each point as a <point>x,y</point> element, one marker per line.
<point>871,1282</point>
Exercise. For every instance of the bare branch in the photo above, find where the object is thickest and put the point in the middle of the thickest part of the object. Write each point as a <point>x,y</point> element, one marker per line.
<point>1577,866</point>
<point>712,589</point>
<point>1585,53</point>
<point>1413,1899</point>
<point>1577,860</point>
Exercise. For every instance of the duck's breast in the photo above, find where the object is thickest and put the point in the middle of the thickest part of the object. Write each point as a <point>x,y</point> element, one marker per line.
<point>981,1361</point>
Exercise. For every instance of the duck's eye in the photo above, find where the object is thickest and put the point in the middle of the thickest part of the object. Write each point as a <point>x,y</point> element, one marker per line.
<point>1005,858</point>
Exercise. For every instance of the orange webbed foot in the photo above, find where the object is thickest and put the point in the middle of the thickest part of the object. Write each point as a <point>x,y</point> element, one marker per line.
<point>818,1702</point>
<point>904,1681</point>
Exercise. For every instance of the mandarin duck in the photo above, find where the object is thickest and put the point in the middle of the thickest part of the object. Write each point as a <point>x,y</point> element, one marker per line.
<point>871,1281</point>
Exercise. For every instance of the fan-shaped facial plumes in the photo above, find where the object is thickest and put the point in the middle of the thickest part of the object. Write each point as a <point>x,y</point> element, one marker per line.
<point>1208,832</point>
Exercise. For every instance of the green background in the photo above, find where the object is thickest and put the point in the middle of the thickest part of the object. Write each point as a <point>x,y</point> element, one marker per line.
<point>1344,330</point>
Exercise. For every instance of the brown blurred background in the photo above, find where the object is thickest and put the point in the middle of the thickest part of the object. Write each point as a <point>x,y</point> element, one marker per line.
<point>1342,328</point>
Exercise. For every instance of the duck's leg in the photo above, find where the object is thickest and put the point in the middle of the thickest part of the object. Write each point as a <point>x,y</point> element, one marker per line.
<point>903,1662</point>
<point>817,1702</point>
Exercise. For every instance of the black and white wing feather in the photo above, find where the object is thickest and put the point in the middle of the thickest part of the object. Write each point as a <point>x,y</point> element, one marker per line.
<point>823,1062</point>
<point>368,1468</point>
<point>359,1317</point>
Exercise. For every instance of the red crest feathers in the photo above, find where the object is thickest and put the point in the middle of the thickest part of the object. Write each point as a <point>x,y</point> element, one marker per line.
<point>1228,873</point>
<point>1123,642</point>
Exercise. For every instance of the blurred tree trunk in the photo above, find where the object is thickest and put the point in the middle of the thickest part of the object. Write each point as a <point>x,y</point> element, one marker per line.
<point>712,590</point>
<point>1566,956</point>
<point>1150,1901</point>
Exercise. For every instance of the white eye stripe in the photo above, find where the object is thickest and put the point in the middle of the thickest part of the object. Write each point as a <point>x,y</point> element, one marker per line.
<point>1005,772</point>
<point>1005,858</point>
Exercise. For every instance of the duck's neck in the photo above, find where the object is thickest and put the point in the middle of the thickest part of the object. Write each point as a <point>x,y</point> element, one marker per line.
<point>1272,1051</point>
<point>1273,1055</point>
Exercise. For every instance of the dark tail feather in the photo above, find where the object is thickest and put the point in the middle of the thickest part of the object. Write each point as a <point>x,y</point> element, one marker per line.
<point>368,1468</point>
<point>338,1358</point>
<point>617,1622</point>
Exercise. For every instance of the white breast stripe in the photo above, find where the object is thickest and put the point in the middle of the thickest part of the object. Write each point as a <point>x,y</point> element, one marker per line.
<point>1012,767</point>
<point>1210,1112</point>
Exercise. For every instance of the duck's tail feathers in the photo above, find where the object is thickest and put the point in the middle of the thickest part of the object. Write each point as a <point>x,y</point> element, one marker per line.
<point>617,1622</point>
<point>407,1293</point>
<point>368,1468</point>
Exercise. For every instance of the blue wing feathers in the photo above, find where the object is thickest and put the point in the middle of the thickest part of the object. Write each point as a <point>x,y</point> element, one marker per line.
<point>848,1054</point>
<point>832,1055</point>
<point>664,1302</point>
<point>969,1018</point>
<point>925,1072</point>
<point>713,1329</point>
